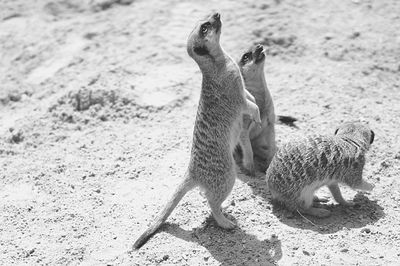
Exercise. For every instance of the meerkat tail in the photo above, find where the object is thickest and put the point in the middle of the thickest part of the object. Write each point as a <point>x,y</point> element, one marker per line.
<point>181,191</point>
<point>287,120</point>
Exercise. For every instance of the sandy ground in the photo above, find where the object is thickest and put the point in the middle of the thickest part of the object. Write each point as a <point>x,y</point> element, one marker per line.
<point>97,106</point>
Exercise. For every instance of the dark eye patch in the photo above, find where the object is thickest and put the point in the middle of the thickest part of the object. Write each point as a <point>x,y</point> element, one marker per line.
<point>372,137</point>
<point>204,28</point>
<point>336,131</point>
<point>201,50</point>
<point>246,58</point>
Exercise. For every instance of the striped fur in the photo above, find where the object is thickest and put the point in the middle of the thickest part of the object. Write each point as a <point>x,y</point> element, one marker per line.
<point>257,140</point>
<point>217,126</point>
<point>302,166</point>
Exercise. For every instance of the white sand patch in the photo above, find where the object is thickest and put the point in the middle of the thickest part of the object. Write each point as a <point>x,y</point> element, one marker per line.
<point>60,60</point>
<point>19,192</point>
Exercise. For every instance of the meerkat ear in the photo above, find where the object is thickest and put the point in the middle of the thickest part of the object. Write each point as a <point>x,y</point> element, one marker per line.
<point>372,137</point>
<point>336,131</point>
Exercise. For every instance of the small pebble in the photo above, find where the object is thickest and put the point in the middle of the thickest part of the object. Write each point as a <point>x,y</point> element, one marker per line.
<point>305,252</point>
<point>344,250</point>
<point>366,230</point>
<point>355,35</point>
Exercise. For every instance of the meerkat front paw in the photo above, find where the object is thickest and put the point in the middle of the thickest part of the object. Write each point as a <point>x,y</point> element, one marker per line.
<point>364,186</point>
<point>317,199</point>
<point>249,96</point>
<point>253,111</point>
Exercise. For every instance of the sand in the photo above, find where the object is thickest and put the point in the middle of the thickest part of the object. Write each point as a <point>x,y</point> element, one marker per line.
<point>97,107</point>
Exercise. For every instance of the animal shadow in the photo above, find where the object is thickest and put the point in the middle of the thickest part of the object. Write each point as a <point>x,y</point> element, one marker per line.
<point>364,212</point>
<point>257,183</point>
<point>231,247</point>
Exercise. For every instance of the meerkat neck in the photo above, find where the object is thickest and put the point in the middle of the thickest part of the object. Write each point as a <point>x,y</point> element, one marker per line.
<point>214,66</point>
<point>257,82</point>
<point>258,87</point>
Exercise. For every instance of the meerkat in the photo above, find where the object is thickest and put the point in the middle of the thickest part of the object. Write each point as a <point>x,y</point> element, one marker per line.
<point>219,117</point>
<point>254,140</point>
<point>302,166</point>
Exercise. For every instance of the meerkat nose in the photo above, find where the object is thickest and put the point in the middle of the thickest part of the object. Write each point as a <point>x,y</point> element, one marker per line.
<point>216,16</point>
<point>259,47</point>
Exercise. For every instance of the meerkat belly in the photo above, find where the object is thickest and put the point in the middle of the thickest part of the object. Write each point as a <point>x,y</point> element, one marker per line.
<point>211,150</point>
<point>267,116</point>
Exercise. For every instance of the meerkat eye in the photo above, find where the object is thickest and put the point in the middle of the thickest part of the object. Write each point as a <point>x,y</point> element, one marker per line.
<point>246,57</point>
<point>204,27</point>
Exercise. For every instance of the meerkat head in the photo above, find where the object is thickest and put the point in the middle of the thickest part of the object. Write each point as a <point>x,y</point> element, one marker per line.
<point>358,132</point>
<point>360,135</point>
<point>251,63</point>
<point>203,42</point>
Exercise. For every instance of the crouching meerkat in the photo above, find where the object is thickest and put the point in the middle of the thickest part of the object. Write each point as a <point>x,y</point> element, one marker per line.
<point>217,126</point>
<point>255,140</point>
<point>302,166</point>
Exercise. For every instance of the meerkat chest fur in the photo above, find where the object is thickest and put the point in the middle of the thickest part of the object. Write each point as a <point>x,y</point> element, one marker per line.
<point>258,88</point>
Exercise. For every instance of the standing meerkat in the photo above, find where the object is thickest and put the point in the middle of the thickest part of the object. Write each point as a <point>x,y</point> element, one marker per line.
<point>255,140</point>
<point>216,131</point>
<point>302,166</point>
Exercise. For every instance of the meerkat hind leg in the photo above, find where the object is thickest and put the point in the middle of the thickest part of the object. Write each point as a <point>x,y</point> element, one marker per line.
<point>306,205</point>
<point>215,200</point>
<point>219,217</point>
<point>247,150</point>
<point>337,195</point>
<point>264,147</point>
